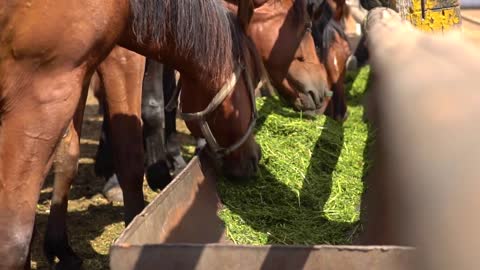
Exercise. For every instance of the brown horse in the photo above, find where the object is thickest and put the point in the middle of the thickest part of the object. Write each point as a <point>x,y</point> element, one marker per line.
<point>293,64</point>
<point>281,31</point>
<point>122,97</point>
<point>56,243</point>
<point>48,52</point>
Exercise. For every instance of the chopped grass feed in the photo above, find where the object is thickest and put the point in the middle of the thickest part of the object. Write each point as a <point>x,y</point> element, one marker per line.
<point>310,181</point>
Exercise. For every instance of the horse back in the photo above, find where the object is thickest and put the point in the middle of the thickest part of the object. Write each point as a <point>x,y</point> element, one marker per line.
<point>57,33</point>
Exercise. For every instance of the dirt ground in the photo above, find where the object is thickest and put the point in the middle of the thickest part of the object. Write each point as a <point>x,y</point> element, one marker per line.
<point>93,222</point>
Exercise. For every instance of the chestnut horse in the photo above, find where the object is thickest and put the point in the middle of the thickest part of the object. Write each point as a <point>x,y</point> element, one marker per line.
<point>294,67</point>
<point>45,67</point>
<point>281,31</point>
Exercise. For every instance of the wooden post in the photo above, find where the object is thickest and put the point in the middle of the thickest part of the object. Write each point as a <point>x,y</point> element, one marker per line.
<point>424,188</point>
<point>431,15</point>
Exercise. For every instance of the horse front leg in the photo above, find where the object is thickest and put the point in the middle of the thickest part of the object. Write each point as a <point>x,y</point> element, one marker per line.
<point>33,119</point>
<point>153,116</point>
<point>172,144</point>
<point>122,74</point>
<point>56,244</point>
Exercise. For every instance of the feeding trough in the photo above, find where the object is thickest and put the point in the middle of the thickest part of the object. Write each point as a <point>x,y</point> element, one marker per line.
<point>180,229</point>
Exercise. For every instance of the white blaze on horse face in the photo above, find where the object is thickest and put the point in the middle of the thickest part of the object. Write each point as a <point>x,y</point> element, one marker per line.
<point>335,63</point>
<point>358,29</point>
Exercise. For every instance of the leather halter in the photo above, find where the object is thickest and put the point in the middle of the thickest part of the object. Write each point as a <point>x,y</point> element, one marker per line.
<point>201,117</point>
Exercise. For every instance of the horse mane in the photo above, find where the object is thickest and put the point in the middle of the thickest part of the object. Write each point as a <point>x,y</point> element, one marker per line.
<point>200,29</point>
<point>324,30</point>
<point>247,47</point>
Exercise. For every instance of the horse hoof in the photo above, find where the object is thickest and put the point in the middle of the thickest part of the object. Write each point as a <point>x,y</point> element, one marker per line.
<point>59,248</point>
<point>158,176</point>
<point>112,190</point>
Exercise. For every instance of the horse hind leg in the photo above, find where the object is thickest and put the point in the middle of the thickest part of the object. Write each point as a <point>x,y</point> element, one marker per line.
<point>56,243</point>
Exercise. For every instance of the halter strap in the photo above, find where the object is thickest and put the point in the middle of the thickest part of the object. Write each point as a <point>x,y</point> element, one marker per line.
<point>217,100</point>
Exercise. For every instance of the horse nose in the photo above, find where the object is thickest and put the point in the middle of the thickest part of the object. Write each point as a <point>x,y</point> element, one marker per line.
<point>254,161</point>
<point>317,99</point>
<point>254,165</point>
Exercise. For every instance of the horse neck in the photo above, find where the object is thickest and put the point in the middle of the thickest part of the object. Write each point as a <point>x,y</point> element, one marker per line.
<point>194,37</point>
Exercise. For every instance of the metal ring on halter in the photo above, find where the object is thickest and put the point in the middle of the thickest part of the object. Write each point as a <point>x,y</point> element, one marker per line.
<point>219,98</point>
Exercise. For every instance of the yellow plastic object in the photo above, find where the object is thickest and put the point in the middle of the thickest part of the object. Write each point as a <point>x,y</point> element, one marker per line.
<point>431,15</point>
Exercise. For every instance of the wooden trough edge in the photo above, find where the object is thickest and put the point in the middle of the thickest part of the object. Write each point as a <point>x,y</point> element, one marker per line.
<point>169,235</point>
<point>139,220</point>
<point>239,257</point>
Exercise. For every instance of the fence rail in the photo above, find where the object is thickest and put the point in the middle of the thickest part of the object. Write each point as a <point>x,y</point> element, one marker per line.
<point>423,190</point>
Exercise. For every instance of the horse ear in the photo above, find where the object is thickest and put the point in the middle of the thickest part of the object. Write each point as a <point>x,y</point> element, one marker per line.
<point>314,8</point>
<point>245,12</point>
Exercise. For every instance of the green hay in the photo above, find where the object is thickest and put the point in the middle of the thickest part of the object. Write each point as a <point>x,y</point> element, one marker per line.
<point>310,181</point>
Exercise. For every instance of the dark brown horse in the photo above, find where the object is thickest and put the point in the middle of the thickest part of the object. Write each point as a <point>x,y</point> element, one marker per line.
<point>334,50</point>
<point>48,52</point>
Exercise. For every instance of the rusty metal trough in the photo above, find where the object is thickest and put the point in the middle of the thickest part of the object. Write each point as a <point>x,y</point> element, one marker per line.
<point>180,229</point>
